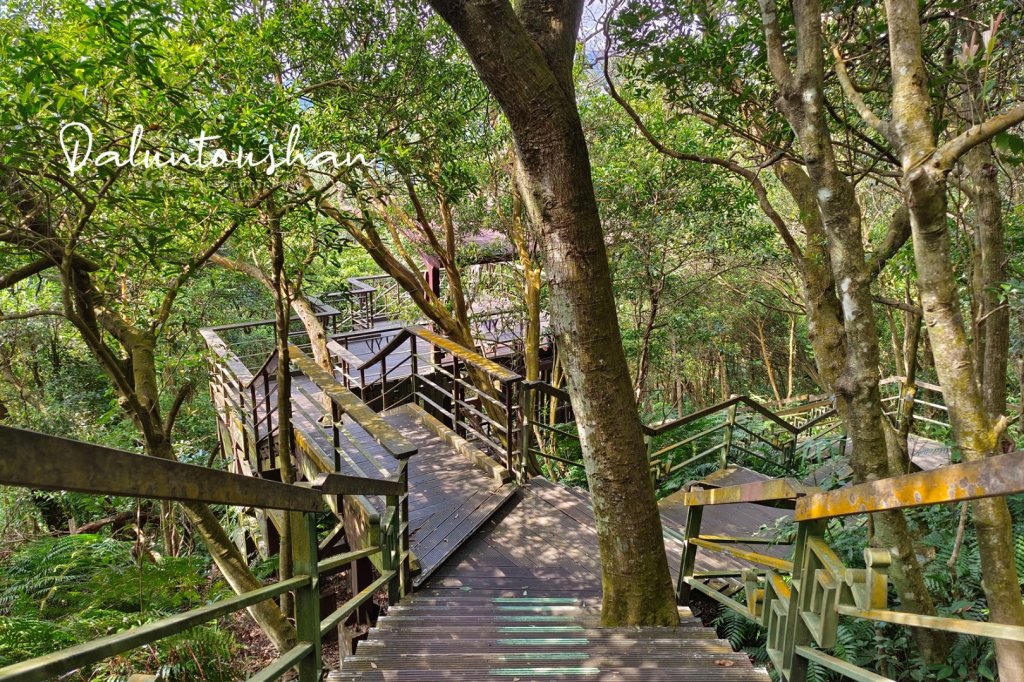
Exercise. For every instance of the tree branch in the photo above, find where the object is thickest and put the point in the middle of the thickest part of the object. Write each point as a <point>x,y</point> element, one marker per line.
<point>946,155</point>
<point>895,237</point>
<point>25,271</point>
<point>750,176</point>
<point>777,63</point>
<point>882,127</point>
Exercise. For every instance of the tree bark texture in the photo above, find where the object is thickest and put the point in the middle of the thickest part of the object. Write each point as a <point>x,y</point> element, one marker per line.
<point>925,169</point>
<point>526,62</point>
<point>801,101</point>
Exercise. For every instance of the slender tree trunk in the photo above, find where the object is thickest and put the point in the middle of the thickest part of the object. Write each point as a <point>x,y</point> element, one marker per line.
<point>859,400</point>
<point>993,318</point>
<point>925,167</point>
<point>531,294</point>
<point>526,62</point>
<point>643,363</point>
<point>767,358</point>
<point>791,357</point>
<point>282,325</point>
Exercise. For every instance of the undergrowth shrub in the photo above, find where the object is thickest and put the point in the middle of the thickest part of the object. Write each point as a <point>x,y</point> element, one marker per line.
<point>57,592</point>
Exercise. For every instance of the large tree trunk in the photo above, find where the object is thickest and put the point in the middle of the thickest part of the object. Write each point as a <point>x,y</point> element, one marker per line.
<point>924,185</point>
<point>976,432</point>
<point>824,314</point>
<point>526,62</point>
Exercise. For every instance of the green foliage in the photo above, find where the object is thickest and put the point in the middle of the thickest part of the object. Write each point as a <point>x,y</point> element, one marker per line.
<point>57,592</point>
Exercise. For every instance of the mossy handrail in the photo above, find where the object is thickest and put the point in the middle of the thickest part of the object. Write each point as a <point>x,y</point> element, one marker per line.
<point>802,615</point>
<point>40,461</point>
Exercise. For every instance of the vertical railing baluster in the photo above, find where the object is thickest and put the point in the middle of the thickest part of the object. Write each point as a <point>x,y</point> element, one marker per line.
<point>525,417</point>
<point>266,415</point>
<point>456,397</point>
<point>404,571</point>
<point>689,556</point>
<point>414,367</point>
<point>730,419</point>
<point>510,429</point>
<point>794,668</point>
<point>307,599</point>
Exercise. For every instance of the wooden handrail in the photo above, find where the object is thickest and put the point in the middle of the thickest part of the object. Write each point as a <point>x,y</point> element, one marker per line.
<point>48,462</point>
<point>60,662</point>
<point>397,445</point>
<point>38,460</point>
<point>773,490</point>
<point>990,477</point>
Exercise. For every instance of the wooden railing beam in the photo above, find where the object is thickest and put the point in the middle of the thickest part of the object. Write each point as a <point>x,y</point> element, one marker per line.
<point>990,477</point>
<point>41,461</point>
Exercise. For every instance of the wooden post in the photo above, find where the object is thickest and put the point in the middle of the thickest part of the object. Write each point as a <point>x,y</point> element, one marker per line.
<point>510,430</point>
<point>794,668</point>
<point>413,367</point>
<point>525,415</point>
<point>456,397</point>
<point>404,570</point>
<point>389,544</point>
<point>307,599</point>
<point>692,530</point>
<point>730,419</point>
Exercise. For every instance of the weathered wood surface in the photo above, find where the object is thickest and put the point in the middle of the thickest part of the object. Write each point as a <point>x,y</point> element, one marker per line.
<point>521,600</point>
<point>449,495</point>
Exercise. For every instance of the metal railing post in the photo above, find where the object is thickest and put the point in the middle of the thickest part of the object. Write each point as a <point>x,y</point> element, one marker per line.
<point>794,668</point>
<point>307,599</point>
<point>525,417</point>
<point>404,570</point>
<point>510,431</point>
<point>456,397</point>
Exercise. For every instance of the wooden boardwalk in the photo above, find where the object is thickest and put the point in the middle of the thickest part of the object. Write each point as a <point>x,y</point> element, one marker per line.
<point>450,494</point>
<point>521,600</point>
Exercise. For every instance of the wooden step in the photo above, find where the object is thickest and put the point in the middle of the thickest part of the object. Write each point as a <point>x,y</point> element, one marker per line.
<point>511,671</point>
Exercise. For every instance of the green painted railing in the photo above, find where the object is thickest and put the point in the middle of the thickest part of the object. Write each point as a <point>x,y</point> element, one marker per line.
<point>801,600</point>
<point>44,462</point>
<point>746,427</point>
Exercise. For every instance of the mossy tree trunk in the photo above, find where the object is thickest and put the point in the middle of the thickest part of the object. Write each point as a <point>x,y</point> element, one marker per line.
<point>525,58</point>
<point>801,101</point>
<point>926,165</point>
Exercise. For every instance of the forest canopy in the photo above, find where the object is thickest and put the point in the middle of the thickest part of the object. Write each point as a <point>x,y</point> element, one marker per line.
<point>648,207</point>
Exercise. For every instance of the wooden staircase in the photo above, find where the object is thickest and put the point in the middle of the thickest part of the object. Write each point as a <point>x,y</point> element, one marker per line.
<point>535,637</point>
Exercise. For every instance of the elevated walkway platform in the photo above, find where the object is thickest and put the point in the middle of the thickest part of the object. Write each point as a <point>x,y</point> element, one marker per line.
<point>453,488</point>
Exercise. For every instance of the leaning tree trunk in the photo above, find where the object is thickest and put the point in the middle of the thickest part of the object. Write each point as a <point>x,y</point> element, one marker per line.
<point>526,62</point>
<point>226,556</point>
<point>282,327</point>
